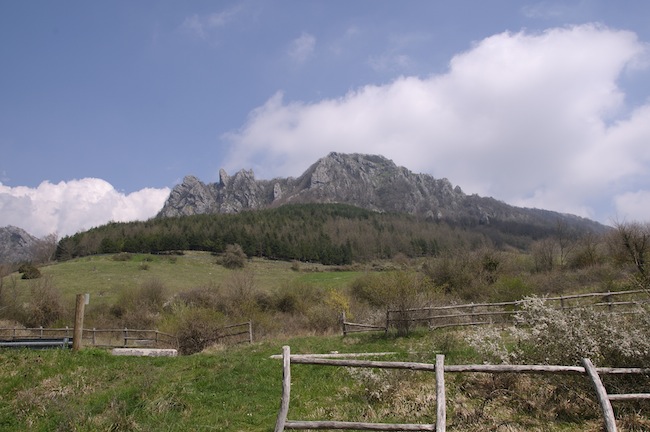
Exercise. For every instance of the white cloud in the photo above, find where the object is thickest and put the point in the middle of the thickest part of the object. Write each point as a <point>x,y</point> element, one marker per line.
<point>68,207</point>
<point>302,48</point>
<point>634,205</point>
<point>532,119</point>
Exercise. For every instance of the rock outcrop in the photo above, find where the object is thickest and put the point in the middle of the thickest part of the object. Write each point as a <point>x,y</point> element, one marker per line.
<point>16,245</point>
<point>368,181</point>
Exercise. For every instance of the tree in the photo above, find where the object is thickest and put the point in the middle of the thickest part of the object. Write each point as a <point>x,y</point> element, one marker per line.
<point>631,244</point>
<point>44,249</point>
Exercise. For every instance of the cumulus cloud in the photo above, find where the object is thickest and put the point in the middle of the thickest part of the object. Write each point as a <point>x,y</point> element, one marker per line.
<point>302,48</point>
<point>68,207</point>
<point>533,119</point>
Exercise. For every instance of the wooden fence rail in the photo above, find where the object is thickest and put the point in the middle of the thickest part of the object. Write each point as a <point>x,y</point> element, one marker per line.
<point>126,337</point>
<point>472,314</point>
<point>235,330</point>
<point>96,337</point>
<point>440,368</point>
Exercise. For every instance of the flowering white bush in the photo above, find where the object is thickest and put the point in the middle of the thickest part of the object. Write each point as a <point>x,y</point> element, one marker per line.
<point>554,336</point>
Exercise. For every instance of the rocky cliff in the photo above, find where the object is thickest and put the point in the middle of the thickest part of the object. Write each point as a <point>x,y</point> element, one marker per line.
<point>16,245</point>
<point>369,181</point>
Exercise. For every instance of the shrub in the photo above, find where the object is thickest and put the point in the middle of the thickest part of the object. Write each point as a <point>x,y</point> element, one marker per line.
<point>554,336</point>
<point>234,257</point>
<point>46,306</point>
<point>367,289</point>
<point>122,256</point>
<point>29,271</point>
<point>197,329</point>
<point>296,298</point>
<point>509,289</point>
<point>456,273</point>
<point>139,307</point>
<point>326,316</point>
<point>239,294</point>
<point>201,297</point>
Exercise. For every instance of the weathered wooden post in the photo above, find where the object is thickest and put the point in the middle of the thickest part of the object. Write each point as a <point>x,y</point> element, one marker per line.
<point>441,410</point>
<point>78,322</point>
<point>286,389</point>
<point>387,321</point>
<point>603,398</point>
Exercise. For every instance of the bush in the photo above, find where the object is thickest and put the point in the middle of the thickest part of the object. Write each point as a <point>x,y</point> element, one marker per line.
<point>201,297</point>
<point>234,257</point>
<point>554,336</point>
<point>122,256</point>
<point>46,306</point>
<point>197,329</point>
<point>29,271</point>
<point>139,307</point>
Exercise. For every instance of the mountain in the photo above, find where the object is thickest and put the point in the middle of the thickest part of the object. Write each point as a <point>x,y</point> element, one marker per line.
<point>16,245</point>
<point>369,181</point>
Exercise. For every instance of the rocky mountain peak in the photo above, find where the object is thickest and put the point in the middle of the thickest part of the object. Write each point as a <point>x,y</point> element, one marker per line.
<point>368,181</point>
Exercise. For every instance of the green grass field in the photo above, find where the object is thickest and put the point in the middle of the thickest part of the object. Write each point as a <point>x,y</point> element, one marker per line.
<point>239,389</point>
<point>104,277</point>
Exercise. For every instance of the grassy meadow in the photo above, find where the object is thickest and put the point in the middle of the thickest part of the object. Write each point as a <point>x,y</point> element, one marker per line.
<point>238,389</point>
<point>105,277</point>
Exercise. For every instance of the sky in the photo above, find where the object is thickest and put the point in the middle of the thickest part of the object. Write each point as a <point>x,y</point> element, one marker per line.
<point>106,106</point>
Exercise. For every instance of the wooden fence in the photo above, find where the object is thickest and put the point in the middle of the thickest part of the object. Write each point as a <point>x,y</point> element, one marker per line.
<point>97,337</point>
<point>234,332</point>
<point>473,314</point>
<point>440,368</point>
<point>110,338</point>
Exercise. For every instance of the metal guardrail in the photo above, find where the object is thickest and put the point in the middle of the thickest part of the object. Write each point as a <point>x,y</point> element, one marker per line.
<point>37,343</point>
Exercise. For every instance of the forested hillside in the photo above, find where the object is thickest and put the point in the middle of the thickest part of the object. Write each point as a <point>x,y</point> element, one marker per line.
<point>326,233</point>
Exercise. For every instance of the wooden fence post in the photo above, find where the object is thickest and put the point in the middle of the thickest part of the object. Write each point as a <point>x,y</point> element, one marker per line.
<point>78,322</point>
<point>250,331</point>
<point>605,404</point>
<point>286,389</point>
<point>441,410</point>
<point>609,301</point>
<point>387,320</point>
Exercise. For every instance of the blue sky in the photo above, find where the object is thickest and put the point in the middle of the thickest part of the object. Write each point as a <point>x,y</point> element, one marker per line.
<point>105,106</point>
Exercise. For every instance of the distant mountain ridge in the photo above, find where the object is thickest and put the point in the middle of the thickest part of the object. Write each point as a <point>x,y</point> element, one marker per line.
<point>369,181</point>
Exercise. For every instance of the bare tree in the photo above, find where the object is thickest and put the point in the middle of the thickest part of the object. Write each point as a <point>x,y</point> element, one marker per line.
<point>543,253</point>
<point>566,241</point>
<point>631,244</point>
<point>44,249</point>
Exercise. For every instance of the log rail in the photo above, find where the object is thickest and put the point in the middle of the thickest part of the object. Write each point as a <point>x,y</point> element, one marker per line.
<point>439,368</point>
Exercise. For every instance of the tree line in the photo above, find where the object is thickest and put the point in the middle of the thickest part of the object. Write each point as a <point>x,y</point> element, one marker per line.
<point>333,234</point>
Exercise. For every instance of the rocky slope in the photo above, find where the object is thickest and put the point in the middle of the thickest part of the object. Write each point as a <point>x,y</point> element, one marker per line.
<point>369,181</point>
<point>16,245</point>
